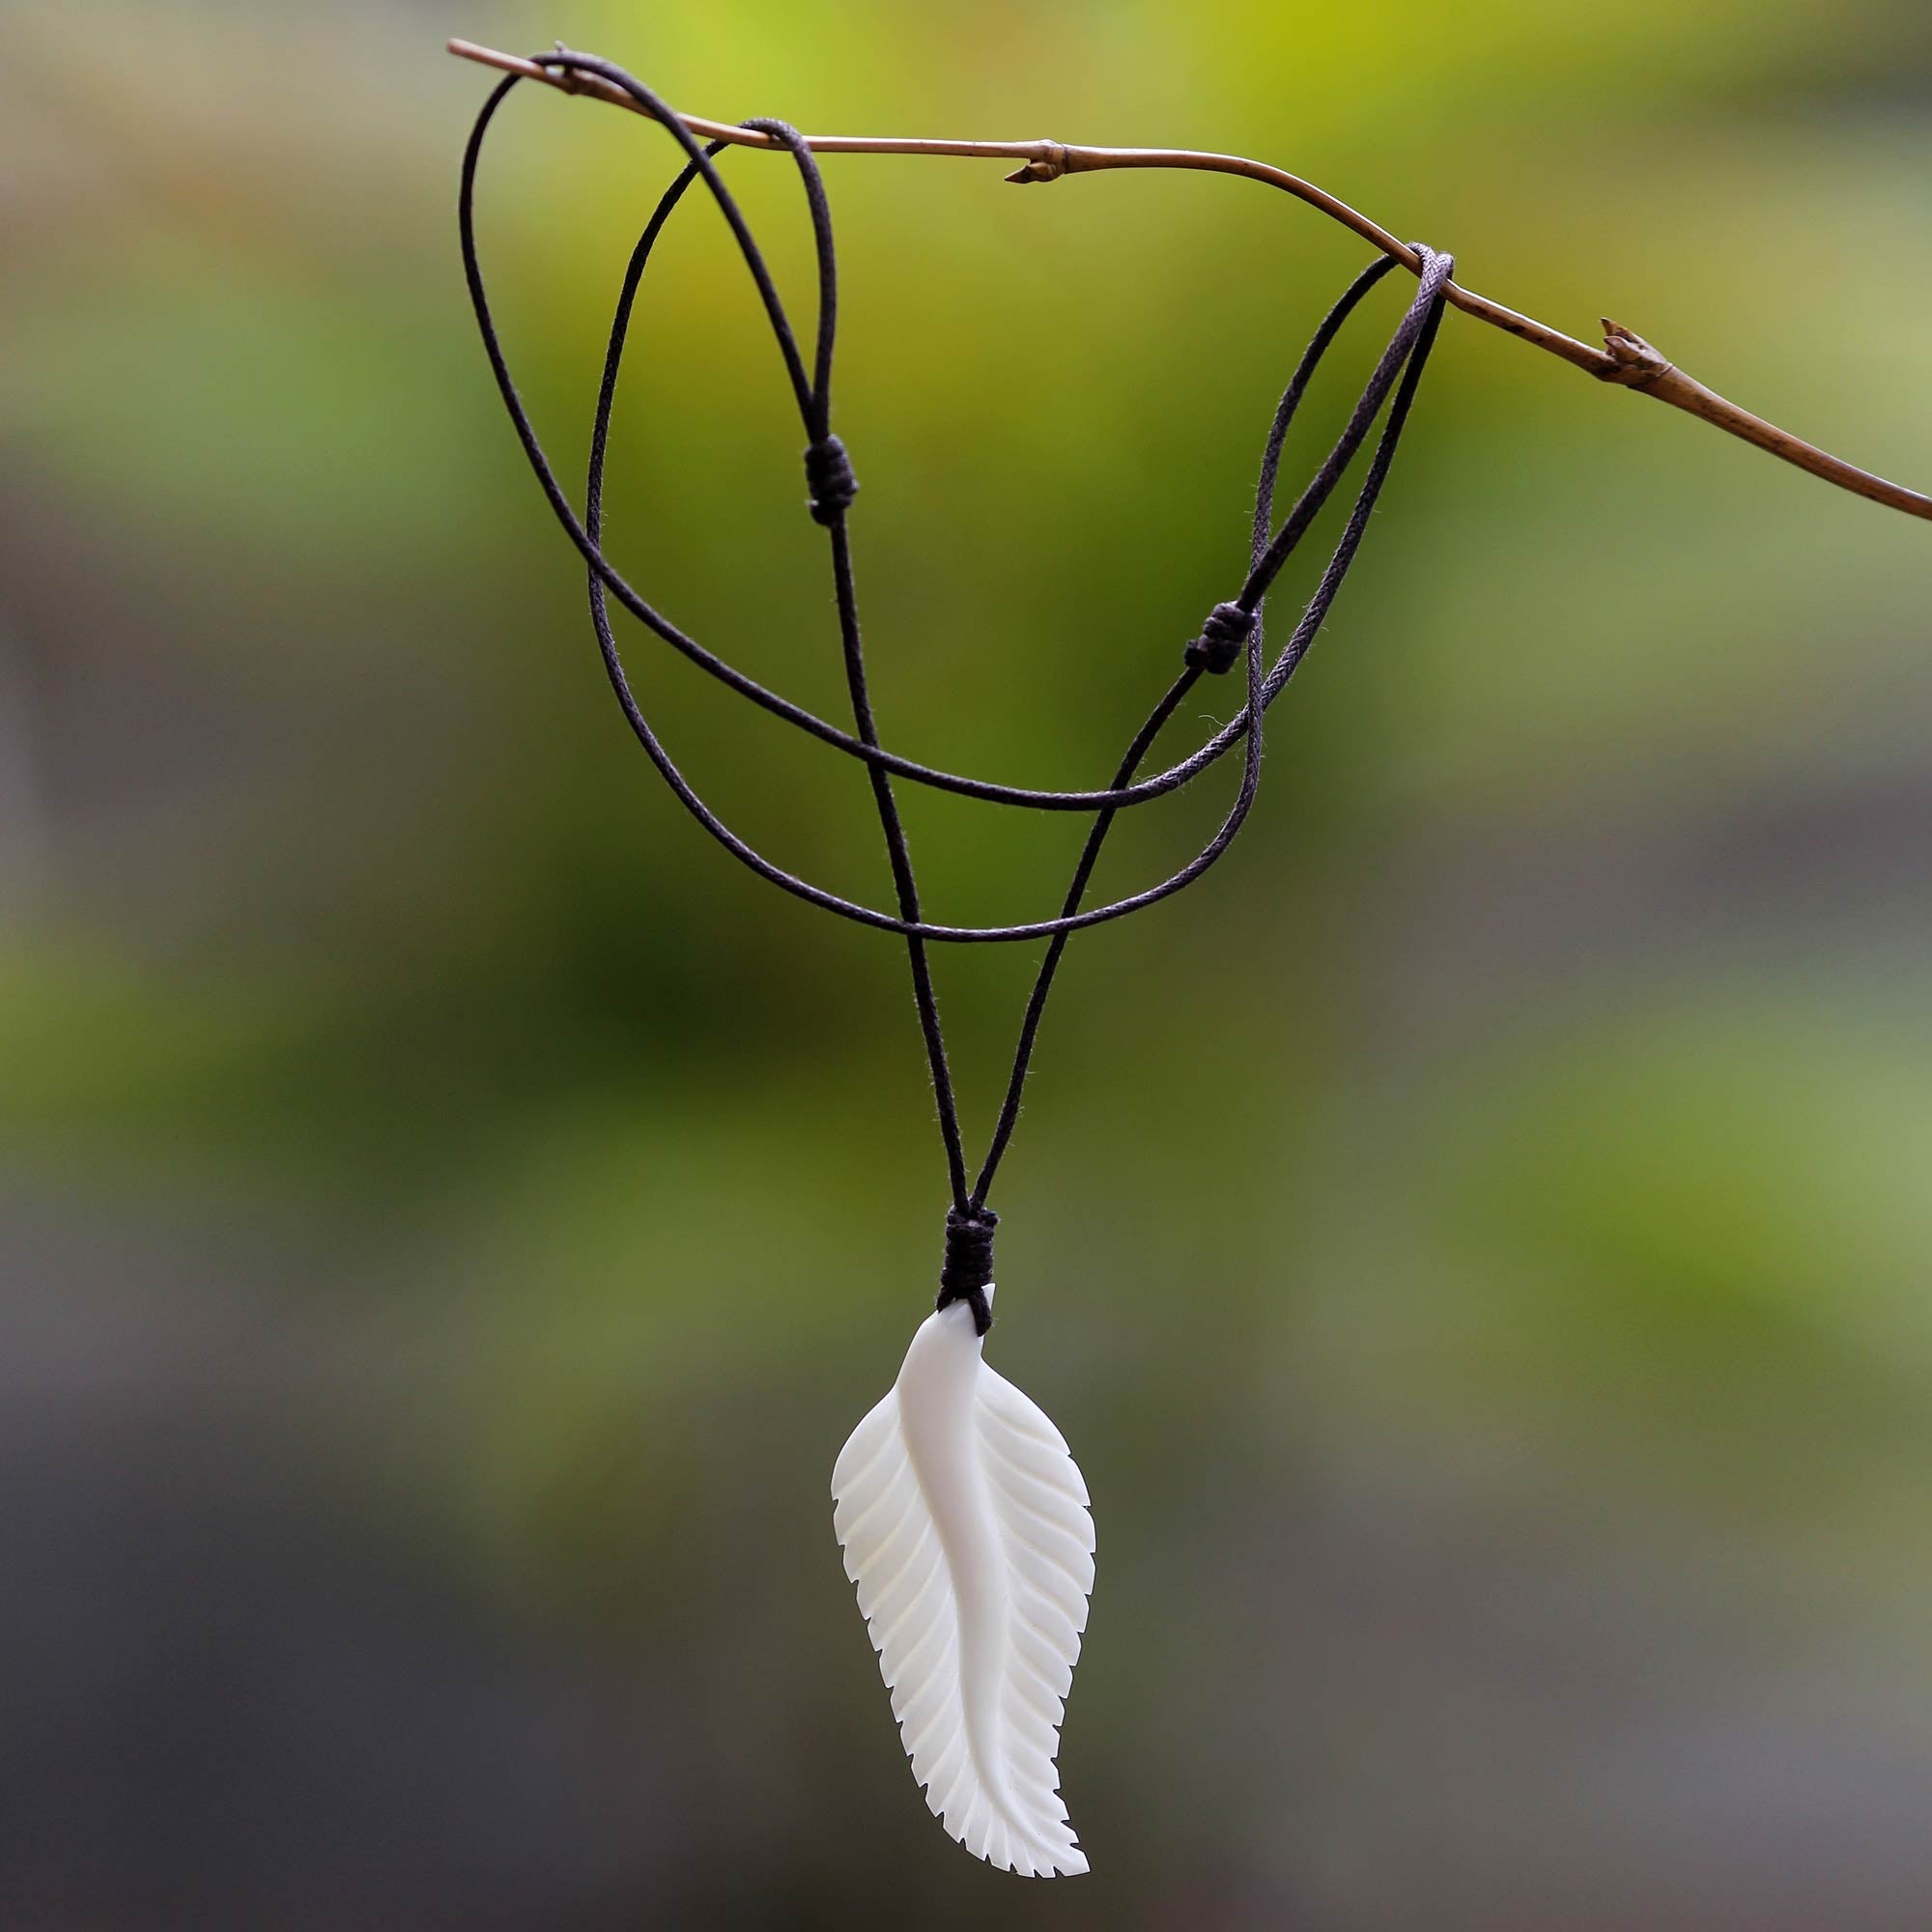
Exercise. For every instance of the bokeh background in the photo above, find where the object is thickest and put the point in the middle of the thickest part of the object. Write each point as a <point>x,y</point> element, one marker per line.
<point>451,1217</point>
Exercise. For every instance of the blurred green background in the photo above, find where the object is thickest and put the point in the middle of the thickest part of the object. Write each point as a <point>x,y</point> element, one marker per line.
<point>450,1215</point>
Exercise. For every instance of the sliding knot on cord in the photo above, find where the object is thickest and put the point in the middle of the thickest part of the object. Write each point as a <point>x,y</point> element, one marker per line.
<point>1222,640</point>
<point>828,476</point>
<point>968,1269</point>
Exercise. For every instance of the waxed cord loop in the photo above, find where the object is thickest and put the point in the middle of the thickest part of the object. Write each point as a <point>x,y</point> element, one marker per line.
<point>1232,632</point>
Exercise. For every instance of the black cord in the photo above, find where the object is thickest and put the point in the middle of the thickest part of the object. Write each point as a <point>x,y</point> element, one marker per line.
<point>1264,519</point>
<point>832,488</point>
<point>1232,632</point>
<point>1156,787</point>
<point>1261,688</point>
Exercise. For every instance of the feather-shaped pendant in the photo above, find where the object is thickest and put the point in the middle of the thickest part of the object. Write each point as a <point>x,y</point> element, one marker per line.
<point>964,1523</point>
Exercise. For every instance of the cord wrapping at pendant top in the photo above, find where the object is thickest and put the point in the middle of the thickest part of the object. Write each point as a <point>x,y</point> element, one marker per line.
<point>1231,633</point>
<point>967,1272</point>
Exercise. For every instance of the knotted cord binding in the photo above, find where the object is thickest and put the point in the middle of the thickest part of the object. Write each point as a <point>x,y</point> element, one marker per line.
<point>967,1272</point>
<point>1221,640</point>
<point>828,475</point>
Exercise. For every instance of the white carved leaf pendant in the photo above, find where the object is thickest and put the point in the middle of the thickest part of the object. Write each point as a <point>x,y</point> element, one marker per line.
<point>965,1525</point>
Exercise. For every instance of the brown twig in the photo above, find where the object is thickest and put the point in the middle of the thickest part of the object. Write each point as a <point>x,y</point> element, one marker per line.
<point>1626,360</point>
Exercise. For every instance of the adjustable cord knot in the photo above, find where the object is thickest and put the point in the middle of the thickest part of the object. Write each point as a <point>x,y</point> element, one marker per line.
<point>1222,640</point>
<point>828,476</point>
<point>968,1269</point>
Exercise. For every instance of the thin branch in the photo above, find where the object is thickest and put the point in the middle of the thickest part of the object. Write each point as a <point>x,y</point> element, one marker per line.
<point>1625,359</point>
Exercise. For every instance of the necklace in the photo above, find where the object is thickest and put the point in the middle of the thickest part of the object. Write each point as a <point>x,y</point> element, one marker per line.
<point>965,1523</point>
